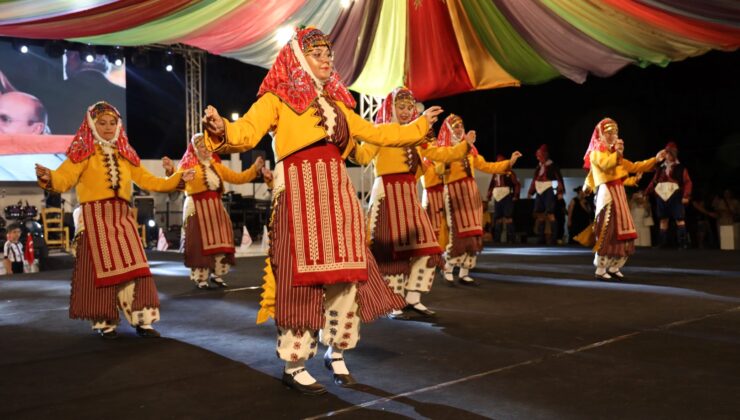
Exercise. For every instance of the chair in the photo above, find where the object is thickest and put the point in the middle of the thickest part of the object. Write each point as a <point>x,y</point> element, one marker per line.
<point>56,234</point>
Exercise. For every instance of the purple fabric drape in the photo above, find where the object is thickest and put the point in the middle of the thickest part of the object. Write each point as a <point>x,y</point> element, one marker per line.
<point>566,48</point>
<point>356,25</point>
<point>723,12</point>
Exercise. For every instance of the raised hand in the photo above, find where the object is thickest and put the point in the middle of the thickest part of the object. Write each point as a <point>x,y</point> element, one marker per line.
<point>167,164</point>
<point>514,157</point>
<point>432,113</point>
<point>43,173</point>
<point>619,146</point>
<point>660,157</point>
<point>212,122</point>
<point>188,175</point>
<point>267,175</point>
<point>259,163</point>
<point>470,137</point>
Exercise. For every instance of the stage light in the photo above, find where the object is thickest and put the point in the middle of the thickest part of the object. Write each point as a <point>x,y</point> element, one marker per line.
<point>234,116</point>
<point>24,49</point>
<point>20,46</point>
<point>116,56</point>
<point>151,223</point>
<point>283,34</point>
<point>87,52</point>
<point>168,61</point>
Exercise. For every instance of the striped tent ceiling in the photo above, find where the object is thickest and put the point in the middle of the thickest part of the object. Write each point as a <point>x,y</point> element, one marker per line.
<point>436,47</point>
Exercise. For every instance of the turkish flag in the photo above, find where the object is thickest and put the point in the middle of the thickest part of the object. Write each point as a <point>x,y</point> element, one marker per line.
<point>28,252</point>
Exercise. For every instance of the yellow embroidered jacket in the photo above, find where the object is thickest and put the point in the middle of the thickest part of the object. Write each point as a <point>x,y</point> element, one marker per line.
<point>297,131</point>
<point>433,174</point>
<point>101,177</point>
<point>608,166</point>
<point>460,169</point>
<point>398,160</point>
<point>199,184</point>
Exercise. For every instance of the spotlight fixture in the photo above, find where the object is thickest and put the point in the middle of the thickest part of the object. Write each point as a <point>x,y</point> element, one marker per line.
<point>169,60</point>
<point>283,34</point>
<point>20,46</point>
<point>115,56</point>
<point>234,116</point>
<point>87,52</point>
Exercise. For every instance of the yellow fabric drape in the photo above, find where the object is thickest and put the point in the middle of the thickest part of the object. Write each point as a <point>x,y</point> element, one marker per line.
<point>384,69</point>
<point>484,72</point>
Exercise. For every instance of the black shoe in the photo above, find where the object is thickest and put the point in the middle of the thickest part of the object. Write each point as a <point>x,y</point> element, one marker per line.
<point>341,380</point>
<point>147,332</point>
<point>108,335</point>
<point>470,282</point>
<point>424,312</point>
<point>218,281</point>
<point>202,285</point>
<point>603,277</point>
<point>616,275</point>
<point>313,389</point>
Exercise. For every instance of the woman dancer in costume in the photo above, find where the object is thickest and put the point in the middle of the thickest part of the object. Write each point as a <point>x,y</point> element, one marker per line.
<point>608,169</point>
<point>209,238</point>
<point>325,278</point>
<point>463,205</point>
<point>403,241</point>
<point>111,271</point>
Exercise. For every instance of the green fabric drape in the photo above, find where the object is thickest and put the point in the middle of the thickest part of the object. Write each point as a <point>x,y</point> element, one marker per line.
<point>170,28</point>
<point>388,53</point>
<point>505,45</point>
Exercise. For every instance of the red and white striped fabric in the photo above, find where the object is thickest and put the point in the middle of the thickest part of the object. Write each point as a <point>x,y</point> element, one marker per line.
<point>466,207</point>
<point>302,307</point>
<point>327,223</point>
<point>117,252</point>
<point>625,225</point>
<point>217,235</point>
<point>411,230</point>
<point>101,303</point>
<point>436,206</point>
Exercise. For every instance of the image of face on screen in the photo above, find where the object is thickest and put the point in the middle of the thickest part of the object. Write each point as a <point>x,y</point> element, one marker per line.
<point>43,101</point>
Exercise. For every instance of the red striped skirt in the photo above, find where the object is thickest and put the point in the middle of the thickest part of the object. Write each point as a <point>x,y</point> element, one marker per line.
<point>466,208</point>
<point>436,206</point>
<point>88,301</point>
<point>194,255</point>
<point>117,252</point>
<point>214,224</point>
<point>327,228</point>
<point>302,306</point>
<point>614,229</point>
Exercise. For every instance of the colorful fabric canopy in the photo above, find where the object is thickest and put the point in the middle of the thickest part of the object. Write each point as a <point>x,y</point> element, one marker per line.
<point>437,48</point>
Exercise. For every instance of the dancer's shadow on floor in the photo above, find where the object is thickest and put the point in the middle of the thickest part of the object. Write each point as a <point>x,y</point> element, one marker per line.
<point>429,410</point>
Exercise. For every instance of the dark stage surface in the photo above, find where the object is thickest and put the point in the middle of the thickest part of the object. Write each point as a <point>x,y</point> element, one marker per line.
<point>538,339</point>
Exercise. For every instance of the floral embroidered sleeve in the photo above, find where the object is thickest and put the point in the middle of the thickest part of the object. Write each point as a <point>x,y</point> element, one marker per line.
<point>64,177</point>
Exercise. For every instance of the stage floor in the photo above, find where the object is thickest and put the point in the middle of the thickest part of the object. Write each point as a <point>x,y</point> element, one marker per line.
<point>538,339</point>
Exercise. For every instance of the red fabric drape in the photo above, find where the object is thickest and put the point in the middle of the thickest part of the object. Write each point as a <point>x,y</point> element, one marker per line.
<point>112,17</point>
<point>723,36</point>
<point>243,26</point>
<point>436,66</point>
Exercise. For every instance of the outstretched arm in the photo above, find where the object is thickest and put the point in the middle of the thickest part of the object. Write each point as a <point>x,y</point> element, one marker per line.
<point>244,134</point>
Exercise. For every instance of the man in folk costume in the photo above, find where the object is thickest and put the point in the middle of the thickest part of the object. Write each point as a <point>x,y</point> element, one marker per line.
<point>403,241</point>
<point>608,170</point>
<point>672,187</point>
<point>209,238</point>
<point>504,190</point>
<point>111,271</point>
<point>321,280</point>
<point>463,204</point>
<point>546,198</point>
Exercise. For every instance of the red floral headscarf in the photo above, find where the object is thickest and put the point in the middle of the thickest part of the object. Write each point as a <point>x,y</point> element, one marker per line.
<point>444,138</point>
<point>387,111</point>
<point>190,158</point>
<point>291,79</point>
<point>83,143</point>
<point>604,126</point>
